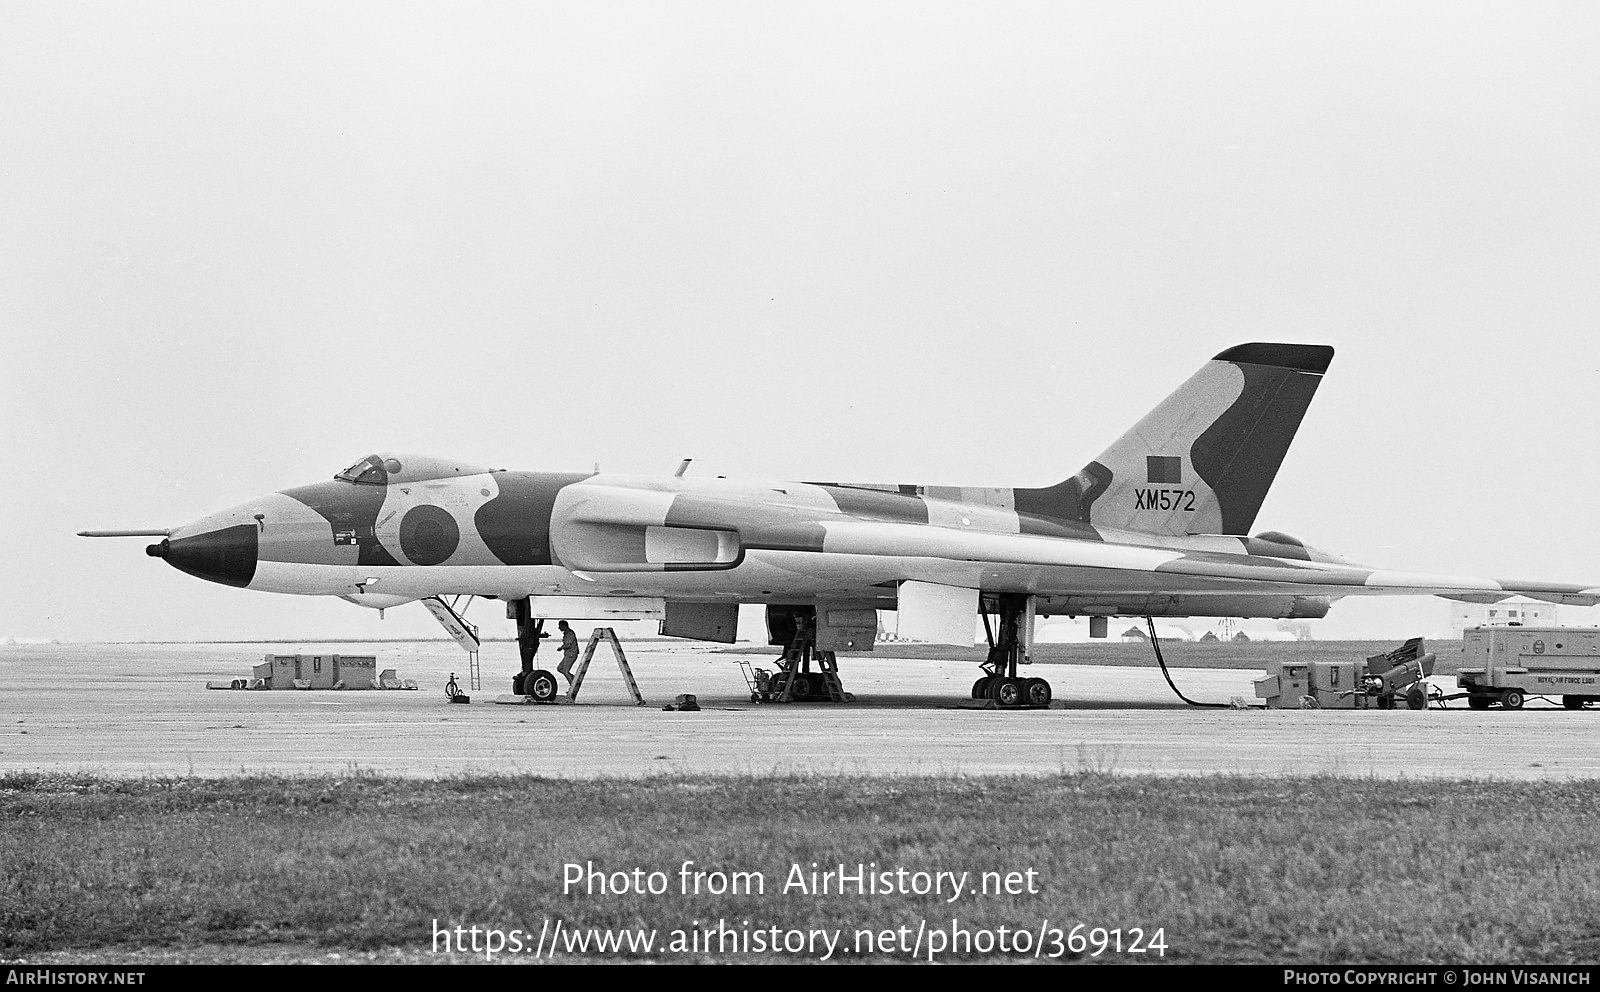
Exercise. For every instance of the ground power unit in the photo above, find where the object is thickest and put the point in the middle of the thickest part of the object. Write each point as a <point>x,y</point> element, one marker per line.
<point>1506,665</point>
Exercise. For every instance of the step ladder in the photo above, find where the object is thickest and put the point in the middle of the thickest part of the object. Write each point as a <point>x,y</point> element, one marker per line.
<point>796,661</point>
<point>830,676</point>
<point>607,634</point>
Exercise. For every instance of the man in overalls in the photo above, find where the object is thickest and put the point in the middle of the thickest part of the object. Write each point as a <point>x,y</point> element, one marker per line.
<point>569,651</point>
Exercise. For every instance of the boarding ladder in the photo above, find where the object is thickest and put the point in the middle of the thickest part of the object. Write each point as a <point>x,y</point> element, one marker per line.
<point>452,617</point>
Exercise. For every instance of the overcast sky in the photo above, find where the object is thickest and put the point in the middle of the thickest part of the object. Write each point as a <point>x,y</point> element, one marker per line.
<point>243,245</point>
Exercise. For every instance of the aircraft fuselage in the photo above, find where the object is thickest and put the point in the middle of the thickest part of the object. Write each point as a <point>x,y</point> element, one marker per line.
<point>511,534</point>
<point>1153,526</point>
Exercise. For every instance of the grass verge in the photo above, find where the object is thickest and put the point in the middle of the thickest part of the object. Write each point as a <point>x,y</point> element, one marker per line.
<point>1231,869</point>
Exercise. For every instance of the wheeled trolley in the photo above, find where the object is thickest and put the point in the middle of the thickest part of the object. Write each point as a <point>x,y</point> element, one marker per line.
<point>758,680</point>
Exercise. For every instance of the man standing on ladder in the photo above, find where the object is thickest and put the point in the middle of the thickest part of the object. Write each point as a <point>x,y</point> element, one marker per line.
<point>569,651</point>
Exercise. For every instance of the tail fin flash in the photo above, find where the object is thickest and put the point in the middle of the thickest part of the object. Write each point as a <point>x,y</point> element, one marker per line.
<point>1202,461</point>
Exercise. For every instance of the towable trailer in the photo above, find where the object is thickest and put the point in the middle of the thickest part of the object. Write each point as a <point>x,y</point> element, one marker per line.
<point>1383,681</point>
<point>1518,662</point>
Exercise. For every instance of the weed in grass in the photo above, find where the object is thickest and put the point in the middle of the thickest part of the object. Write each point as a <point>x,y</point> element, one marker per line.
<point>1100,759</point>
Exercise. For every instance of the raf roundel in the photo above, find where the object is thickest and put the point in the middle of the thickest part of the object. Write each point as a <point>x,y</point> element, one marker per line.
<point>428,535</point>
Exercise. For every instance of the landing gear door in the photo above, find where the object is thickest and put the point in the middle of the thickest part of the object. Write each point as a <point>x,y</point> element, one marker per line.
<point>938,614</point>
<point>701,621</point>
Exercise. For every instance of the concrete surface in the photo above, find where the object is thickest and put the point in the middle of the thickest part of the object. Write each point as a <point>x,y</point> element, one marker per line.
<point>142,709</point>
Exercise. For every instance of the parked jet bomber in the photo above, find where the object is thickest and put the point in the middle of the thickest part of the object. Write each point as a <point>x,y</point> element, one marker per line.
<point>1156,526</point>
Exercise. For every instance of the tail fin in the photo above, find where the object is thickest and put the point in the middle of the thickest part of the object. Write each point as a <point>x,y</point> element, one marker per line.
<point>1202,461</point>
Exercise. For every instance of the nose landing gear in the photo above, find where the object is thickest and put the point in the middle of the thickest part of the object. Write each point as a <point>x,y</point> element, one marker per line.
<point>537,684</point>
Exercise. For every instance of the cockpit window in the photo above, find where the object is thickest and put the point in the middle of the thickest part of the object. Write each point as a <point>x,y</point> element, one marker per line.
<point>369,471</point>
<point>388,468</point>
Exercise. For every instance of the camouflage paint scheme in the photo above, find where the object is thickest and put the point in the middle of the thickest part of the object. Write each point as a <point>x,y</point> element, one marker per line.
<point>1154,526</point>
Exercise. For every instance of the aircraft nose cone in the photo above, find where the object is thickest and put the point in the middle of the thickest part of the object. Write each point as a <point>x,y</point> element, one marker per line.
<point>226,555</point>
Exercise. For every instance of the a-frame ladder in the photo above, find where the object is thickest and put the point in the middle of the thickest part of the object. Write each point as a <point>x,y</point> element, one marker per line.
<point>604,633</point>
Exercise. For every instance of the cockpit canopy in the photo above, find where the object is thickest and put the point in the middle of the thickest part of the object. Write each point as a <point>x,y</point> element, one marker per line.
<point>387,467</point>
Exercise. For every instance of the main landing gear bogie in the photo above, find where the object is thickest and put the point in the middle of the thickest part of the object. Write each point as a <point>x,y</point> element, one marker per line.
<point>1000,683</point>
<point>1021,692</point>
<point>1037,693</point>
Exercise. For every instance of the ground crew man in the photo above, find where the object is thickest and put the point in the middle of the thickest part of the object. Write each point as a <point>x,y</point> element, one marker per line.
<point>569,651</point>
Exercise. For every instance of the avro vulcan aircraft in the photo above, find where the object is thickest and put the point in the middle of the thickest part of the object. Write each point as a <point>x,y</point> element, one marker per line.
<point>1156,526</point>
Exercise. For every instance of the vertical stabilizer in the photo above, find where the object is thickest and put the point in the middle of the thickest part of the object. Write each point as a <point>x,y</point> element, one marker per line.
<point>1202,461</point>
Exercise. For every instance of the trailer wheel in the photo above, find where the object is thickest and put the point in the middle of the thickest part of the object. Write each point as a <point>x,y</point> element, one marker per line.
<point>1476,702</point>
<point>1573,702</point>
<point>1511,699</point>
<point>1416,697</point>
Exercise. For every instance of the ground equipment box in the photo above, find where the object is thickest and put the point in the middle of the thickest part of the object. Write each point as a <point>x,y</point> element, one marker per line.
<point>1332,682</point>
<point>319,671</point>
<point>1290,682</point>
<point>285,669</point>
<point>356,671</point>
